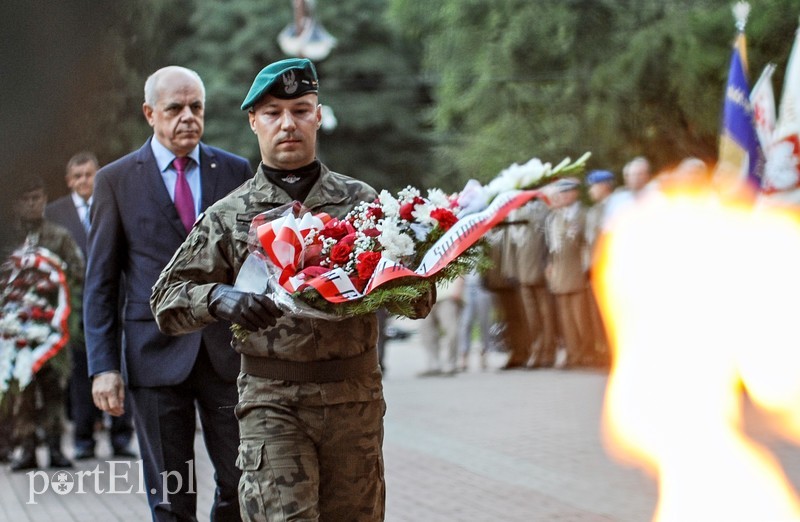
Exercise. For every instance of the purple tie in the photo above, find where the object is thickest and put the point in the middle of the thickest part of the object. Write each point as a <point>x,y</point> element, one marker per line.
<point>184,201</point>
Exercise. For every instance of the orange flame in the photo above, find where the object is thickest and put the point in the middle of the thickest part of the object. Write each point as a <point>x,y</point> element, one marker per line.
<point>699,296</point>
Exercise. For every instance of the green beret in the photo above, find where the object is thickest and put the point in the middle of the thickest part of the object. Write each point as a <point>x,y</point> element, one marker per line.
<point>285,79</point>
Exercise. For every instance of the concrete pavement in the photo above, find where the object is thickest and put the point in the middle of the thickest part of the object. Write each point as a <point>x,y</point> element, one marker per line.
<point>479,446</point>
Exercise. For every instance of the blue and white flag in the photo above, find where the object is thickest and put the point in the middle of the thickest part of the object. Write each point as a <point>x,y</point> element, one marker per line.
<point>740,154</point>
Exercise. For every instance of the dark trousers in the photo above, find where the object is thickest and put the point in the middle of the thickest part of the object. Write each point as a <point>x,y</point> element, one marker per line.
<point>165,419</point>
<point>85,414</point>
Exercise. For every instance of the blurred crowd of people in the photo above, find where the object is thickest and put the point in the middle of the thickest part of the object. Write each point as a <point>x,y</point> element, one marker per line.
<point>536,303</point>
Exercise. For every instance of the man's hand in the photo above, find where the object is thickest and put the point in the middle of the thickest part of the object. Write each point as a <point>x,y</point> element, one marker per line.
<point>108,392</point>
<point>252,311</point>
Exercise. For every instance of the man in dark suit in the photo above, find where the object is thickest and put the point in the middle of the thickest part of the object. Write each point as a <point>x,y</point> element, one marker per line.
<point>144,205</point>
<point>72,213</point>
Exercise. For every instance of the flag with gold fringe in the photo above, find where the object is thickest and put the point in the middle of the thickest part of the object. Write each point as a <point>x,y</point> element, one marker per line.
<point>740,156</point>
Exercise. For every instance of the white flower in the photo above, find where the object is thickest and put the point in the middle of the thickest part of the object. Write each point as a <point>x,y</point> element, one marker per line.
<point>395,243</point>
<point>502,183</point>
<point>532,172</point>
<point>23,366</point>
<point>10,325</point>
<point>7,353</point>
<point>438,198</point>
<point>391,207</point>
<point>38,333</point>
<point>408,194</point>
<point>422,213</point>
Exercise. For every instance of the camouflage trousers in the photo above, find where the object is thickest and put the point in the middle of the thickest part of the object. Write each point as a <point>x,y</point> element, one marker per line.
<point>40,404</point>
<point>312,463</point>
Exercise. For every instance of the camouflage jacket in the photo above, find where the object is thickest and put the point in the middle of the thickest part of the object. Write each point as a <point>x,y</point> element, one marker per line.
<point>214,252</point>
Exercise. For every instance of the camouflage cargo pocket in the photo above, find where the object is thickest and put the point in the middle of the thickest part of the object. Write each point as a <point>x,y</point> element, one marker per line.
<point>250,453</point>
<point>251,502</point>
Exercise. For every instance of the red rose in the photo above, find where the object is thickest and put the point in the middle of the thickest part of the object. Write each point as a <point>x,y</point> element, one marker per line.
<point>49,314</point>
<point>445,218</point>
<point>21,343</point>
<point>336,229</point>
<point>405,211</point>
<point>366,263</point>
<point>375,212</point>
<point>371,232</point>
<point>340,253</point>
<point>407,208</point>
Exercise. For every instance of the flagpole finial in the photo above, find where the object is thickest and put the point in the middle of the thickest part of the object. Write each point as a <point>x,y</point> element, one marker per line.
<point>741,10</point>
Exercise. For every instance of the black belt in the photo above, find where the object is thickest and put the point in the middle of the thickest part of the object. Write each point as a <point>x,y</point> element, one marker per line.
<point>311,371</point>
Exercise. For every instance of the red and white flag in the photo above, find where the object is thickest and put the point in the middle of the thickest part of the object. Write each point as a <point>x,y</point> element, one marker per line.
<point>762,99</point>
<point>782,170</point>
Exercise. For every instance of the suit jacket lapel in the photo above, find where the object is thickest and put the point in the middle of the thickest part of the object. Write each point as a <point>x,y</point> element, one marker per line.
<point>209,165</point>
<point>151,176</point>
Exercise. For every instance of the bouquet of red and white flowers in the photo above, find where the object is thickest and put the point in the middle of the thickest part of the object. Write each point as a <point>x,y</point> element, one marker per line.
<point>34,308</point>
<point>386,252</point>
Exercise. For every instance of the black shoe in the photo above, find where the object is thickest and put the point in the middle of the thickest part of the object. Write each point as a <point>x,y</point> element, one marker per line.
<point>84,453</point>
<point>57,459</point>
<point>25,461</point>
<point>125,453</point>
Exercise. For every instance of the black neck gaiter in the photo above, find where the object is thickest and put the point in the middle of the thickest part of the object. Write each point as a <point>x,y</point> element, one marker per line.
<point>298,182</point>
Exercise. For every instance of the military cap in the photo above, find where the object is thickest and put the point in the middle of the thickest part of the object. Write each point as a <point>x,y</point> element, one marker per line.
<point>567,184</point>
<point>285,79</point>
<point>600,176</point>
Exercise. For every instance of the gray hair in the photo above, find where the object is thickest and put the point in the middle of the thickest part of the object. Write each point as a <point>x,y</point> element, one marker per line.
<point>634,161</point>
<point>81,158</point>
<point>152,84</point>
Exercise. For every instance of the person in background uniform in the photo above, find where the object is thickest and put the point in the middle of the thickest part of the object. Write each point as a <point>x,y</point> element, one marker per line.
<point>502,281</point>
<point>637,175</point>
<point>438,333</point>
<point>601,186</point>
<point>477,309</point>
<point>144,205</point>
<point>537,300</point>
<point>41,403</point>
<point>565,273</point>
<point>72,212</point>
<point>310,398</point>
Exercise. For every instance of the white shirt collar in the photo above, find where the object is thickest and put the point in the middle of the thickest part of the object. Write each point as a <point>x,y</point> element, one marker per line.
<point>79,202</point>
<point>164,156</point>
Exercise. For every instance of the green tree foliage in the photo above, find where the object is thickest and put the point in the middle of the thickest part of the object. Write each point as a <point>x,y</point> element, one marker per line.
<point>551,78</point>
<point>425,93</point>
<point>368,81</point>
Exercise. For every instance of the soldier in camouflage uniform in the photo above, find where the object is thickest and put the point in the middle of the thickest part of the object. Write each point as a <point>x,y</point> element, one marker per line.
<point>41,403</point>
<point>310,395</point>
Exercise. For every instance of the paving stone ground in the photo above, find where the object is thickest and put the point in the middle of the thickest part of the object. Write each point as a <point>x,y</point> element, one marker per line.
<point>479,446</point>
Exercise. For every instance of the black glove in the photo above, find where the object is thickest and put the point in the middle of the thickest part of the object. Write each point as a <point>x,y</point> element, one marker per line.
<point>252,311</point>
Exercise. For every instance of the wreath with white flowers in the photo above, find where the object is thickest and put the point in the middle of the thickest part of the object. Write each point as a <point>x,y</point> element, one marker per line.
<point>387,252</point>
<point>34,309</point>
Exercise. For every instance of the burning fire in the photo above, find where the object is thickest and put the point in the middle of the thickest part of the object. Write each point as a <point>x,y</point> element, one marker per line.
<point>699,296</point>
